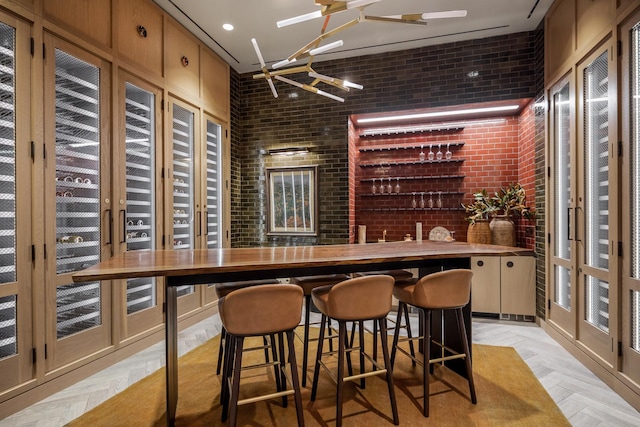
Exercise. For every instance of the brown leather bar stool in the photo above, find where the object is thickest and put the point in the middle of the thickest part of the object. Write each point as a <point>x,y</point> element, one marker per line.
<point>444,290</point>
<point>259,311</point>
<point>355,300</point>
<point>402,278</point>
<point>222,290</point>
<point>308,283</point>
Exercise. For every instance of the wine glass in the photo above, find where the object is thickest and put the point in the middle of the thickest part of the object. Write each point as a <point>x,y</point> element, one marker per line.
<point>421,155</point>
<point>374,189</point>
<point>422,200</point>
<point>439,153</point>
<point>439,201</point>
<point>414,203</point>
<point>448,154</point>
<point>431,155</point>
<point>431,199</point>
<point>453,233</point>
<point>390,187</point>
<point>397,185</point>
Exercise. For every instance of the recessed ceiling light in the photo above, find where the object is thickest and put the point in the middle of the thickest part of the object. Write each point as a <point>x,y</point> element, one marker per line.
<point>227,27</point>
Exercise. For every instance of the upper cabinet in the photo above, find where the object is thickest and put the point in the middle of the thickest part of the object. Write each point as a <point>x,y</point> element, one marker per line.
<point>573,27</point>
<point>88,18</point>
<point>139,33</point>
<point>215,83</point>
<point>182,60</point>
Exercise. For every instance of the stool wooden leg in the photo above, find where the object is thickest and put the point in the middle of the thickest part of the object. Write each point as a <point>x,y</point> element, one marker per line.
<point>342,334</point>
<point>274,355</point>
<point>409,335</point>
<point>388,367</point>
<point>361,352</point>
<point>426,376</point>
<point>375,344</point>
<point>294,379</point>
<point>396,333</point>
<point>235,387</point>
<point>223,335</point>
<point>280,368</point>
<point>316,369</point>
<point>227,367</point>
<point>467,359</point>
<point>305,345</point>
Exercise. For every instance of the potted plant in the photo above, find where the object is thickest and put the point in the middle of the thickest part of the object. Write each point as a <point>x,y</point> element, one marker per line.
<point>509,202</point>
<point>479,212</point>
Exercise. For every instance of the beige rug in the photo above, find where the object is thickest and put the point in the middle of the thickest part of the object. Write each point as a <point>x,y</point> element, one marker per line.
<point>508,395</point>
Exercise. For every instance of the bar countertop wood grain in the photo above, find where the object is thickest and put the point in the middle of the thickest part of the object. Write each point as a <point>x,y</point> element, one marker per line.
<point>175,263</point>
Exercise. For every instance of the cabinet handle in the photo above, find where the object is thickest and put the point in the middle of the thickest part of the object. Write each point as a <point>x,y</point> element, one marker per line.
<point>123,214</point>
<point>142,31</point>
<point>199,223</point>
<point>480,263</point>
<point>569,224</point>
<point>575,225</point>
<point>509,264</point>
<point>110,225</point>
<point>206,226</point>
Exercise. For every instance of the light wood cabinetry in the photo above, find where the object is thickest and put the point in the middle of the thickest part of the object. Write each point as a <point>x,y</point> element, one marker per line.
<point>140,34</point>
<point>84,18</point>
<point>504,285</point>
<point>182,60</point>
<point>90,149</point>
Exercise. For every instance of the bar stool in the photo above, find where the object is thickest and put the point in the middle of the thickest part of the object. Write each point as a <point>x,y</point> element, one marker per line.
<point>355,300</point>
<point>402,278</point>
<point>259,311</point>
<point>308,283</point>
<point>222,290</point>
<point>444,290</point>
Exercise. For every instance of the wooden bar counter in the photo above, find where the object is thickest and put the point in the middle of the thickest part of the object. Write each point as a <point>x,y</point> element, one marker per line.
<point>201,266</point>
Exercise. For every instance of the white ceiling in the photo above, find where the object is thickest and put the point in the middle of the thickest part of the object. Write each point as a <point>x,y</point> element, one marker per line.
<point>257,18</point>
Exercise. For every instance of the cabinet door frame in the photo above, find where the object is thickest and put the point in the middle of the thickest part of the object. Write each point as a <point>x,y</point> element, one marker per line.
<point>132,324</point>
<point>94,342</point>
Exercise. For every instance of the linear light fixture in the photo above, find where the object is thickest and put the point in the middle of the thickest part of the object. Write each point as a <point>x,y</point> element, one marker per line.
<point>329,9</point>
<point>440,114</point>
<point>309,88</point>
<point>289,151</point>
<point>326,47</point>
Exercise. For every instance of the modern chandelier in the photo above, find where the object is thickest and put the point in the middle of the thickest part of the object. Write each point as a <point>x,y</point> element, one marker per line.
<point>328,8</point>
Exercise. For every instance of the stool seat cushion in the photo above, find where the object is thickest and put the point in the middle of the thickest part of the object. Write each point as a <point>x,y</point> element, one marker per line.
<point>222,289</point>
<point>307,283</point>
<point>367,297</point>
<point>261,310</point>
<point>442,290</point>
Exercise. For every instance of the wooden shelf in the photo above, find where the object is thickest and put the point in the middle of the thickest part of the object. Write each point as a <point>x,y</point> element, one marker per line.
<point>412,162</point>
<point>409,130</point>
<point>412,193</point>
<point>407,147</point>
<point>412,178</point>
<point>410,209</point>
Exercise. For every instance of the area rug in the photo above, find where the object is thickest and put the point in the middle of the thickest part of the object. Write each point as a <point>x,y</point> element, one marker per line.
<point>508,395</point>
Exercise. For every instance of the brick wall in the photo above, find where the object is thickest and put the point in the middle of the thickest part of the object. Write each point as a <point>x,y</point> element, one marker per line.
<point>418,78</point>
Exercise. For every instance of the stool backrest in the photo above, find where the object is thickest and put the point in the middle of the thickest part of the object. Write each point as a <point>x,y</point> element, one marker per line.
<point>262,309</point>
<point>367,297</point>
<point>444,289</point>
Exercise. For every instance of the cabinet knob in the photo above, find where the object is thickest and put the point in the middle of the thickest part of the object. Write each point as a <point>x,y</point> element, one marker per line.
<point>509,264</point>
<point>142,31</point>
<point>185,61</point>
<point>480,263</point>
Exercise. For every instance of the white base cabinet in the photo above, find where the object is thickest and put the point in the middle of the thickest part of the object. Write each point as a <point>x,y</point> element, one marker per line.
<point>504,285</point>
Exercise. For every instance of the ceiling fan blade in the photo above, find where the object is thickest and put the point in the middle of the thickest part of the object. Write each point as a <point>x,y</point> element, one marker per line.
<point>446,14</point>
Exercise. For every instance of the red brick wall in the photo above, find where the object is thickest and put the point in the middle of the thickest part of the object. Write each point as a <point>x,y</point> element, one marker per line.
<point>526,235</point>
<point>493,153</point>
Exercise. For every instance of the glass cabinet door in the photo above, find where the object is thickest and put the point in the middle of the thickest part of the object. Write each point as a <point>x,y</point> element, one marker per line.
<point>213,188</point>
<point>562,213</point>
<point>593,210</point>
<point>78,99</point>
<point>16,336</point>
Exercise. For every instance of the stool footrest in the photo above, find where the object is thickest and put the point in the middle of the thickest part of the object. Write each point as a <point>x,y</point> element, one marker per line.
<point>265,397</point>
<point>364,375</point>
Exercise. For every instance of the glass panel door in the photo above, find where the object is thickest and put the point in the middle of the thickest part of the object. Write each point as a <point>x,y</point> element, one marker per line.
<point>562,213</point>
<point>76,101</point>
<point>630,292</point>
<point>594,207</point>
<point>16,287</point>
<point>141,196</point>
<point>213,187</point>
<point>183,182</point>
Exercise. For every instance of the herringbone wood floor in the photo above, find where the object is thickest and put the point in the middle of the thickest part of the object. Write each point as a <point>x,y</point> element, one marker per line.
<point>583,398</point>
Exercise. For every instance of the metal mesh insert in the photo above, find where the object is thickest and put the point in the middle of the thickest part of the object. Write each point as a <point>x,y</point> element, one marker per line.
<point>562,295</point>
<point>596,162</point>
<point>635,320</point>
<point>597,303</point>
<point>78,308</point>
<point>562,190</point>
<point>8,241</point>
<point>140,168</point>
<point>213,185</point>
<point>8,326</point>
<point>634,126</point>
